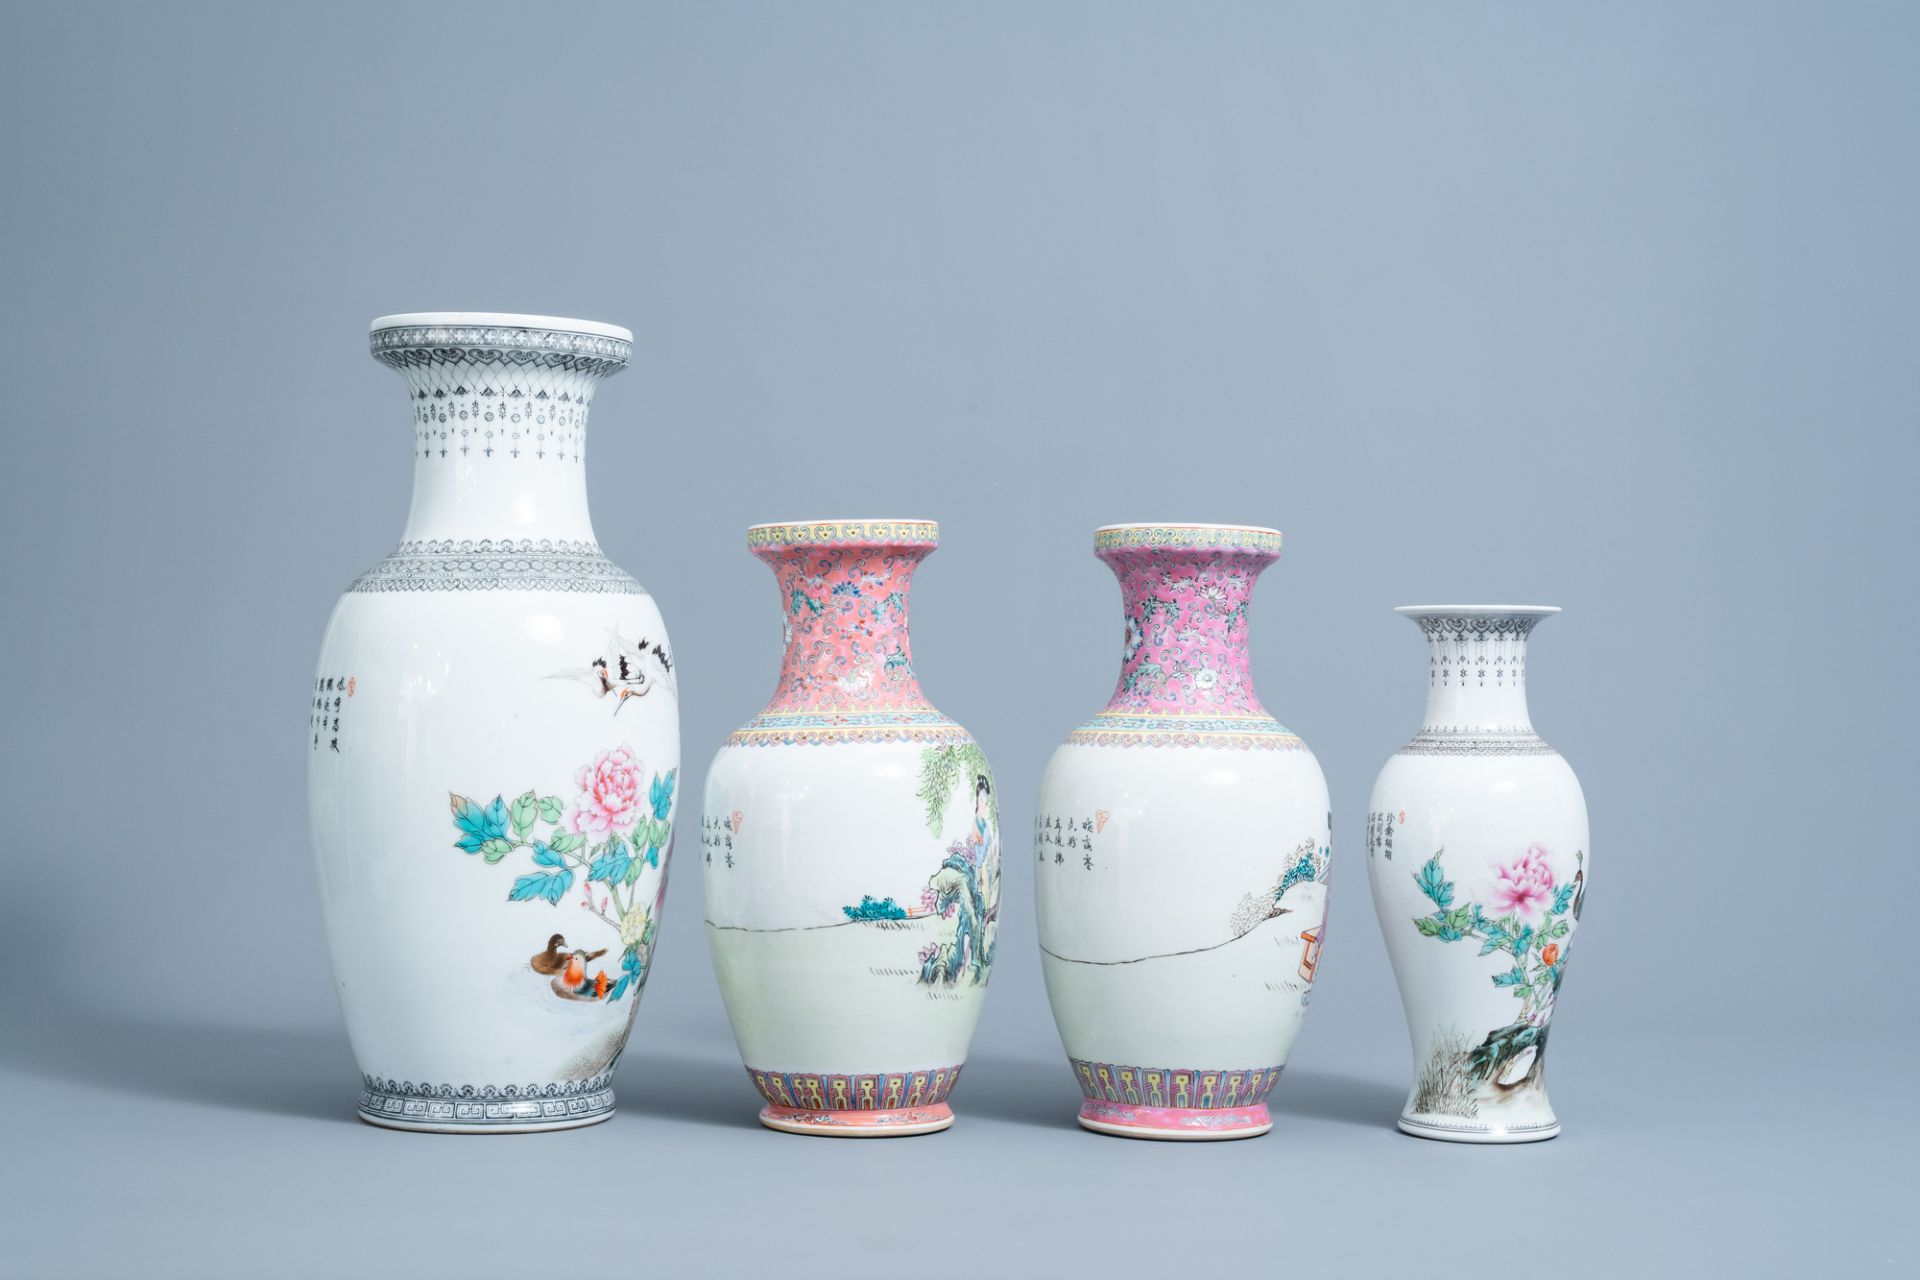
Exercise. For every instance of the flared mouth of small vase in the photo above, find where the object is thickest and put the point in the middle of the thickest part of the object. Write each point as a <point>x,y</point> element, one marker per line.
<point>854,531</point>
<point>1477,610</point>
<point>1187,535</point>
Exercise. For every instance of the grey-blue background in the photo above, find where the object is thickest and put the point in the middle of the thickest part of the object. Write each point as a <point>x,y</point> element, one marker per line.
<point>1612,307</point>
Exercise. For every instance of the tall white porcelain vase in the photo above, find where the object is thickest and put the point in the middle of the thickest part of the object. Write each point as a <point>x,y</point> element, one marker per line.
<point>494,749</point>
<point>1477,852</point>
<point>1182,849</point>
<point>851,852</point>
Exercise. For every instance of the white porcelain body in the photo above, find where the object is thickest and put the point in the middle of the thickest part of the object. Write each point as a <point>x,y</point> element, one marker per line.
<point>852,904</point>
<point>1478,794</point>
<point>1182,847</point>
<point>823,827</point>
<point>1152,962</point>
<point>462,667</point>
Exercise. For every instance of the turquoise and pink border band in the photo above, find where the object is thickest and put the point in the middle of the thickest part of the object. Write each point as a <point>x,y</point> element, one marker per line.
<point>873,1103</point>
<point>866,1091</point>
<point>1180,1088</point>
<point>1175,1101</point>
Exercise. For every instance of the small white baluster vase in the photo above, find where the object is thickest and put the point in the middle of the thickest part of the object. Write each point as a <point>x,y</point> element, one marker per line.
<point>1477,852</point>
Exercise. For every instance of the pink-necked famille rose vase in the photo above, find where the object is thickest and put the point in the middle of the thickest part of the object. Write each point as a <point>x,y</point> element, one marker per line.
<point>1182,843</point>
<point>851,851</point>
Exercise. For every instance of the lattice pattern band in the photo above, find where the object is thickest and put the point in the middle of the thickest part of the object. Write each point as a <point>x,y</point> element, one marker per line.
<point>526,564</point>
<point>493,1105</point>
<point>1439,743</point>
<point>817,728</point>
<point>1241,733</point>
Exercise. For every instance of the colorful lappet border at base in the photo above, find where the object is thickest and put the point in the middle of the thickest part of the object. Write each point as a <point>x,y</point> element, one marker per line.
<point>1177,1088</point>
<point>1240,733</point>
<point>1216,1121</point>
<point>878,1091</point>
<point>824,728</point>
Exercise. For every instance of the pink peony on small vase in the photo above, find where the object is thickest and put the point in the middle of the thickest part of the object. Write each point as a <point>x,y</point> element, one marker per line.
<point>850,847</point>
<point>1477,851</point>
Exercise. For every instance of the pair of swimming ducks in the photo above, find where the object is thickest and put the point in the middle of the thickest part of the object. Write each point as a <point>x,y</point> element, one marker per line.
<point>568,968</point>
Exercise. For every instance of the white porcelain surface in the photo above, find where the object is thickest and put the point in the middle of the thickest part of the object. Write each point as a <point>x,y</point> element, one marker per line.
<point>463,669</point>
<point>1477,850</point>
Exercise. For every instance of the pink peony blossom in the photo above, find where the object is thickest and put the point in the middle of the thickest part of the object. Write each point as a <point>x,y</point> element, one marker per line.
<point>610,799</point>
<point>1524,885</point>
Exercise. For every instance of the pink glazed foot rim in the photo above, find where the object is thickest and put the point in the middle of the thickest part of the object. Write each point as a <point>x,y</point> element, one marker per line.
<point>901,1122</point>
<point>1177,1124</point>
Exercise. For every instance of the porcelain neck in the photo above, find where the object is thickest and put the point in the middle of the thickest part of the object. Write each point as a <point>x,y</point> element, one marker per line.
<point>844,601</point>
<point>1185,648</point>
<point>1477,669</point>
<point>499,422</point>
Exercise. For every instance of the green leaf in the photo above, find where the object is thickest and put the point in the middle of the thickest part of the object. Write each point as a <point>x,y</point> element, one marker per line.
<point>525,809</point>
<point>1428,925</point>
<point>634,869</point>
<point>496,849</point>
<point>551,887</point>
<point>551,808</point>
<point>566,842</point>
<point>1559,929</point>
<point>612,865</point>
<point>1434,883</point>
<point>947,771</point>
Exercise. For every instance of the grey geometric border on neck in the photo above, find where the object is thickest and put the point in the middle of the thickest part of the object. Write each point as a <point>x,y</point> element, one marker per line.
<point>409,346</point>
<point>1477,626</point>
<point>527,564</point>
<point>1475,742</point>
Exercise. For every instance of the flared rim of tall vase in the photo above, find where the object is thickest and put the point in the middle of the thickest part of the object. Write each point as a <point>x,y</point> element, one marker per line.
<point>451,320</point>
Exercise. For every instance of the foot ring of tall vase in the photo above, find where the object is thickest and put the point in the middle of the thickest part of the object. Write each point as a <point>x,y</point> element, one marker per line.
<point>1182,848</point>
<point>494,748</point>
<point>850,849</point>
<point>1477,851</point>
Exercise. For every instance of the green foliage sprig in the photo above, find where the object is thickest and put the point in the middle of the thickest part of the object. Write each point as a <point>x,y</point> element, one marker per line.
<point>942,769</point>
